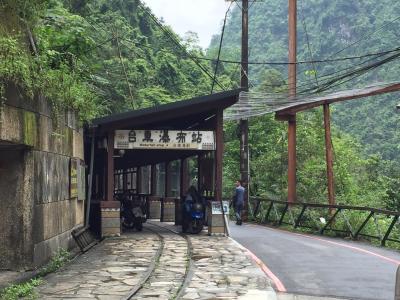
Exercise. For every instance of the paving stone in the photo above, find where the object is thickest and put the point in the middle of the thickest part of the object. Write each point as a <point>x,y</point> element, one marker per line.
<point>108,271</point>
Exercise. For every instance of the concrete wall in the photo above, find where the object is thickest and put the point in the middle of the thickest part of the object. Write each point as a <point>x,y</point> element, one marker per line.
<point>16,209</point>
<point>37,210</point>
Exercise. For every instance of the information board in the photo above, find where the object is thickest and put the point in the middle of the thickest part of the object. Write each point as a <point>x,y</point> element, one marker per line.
<point>164,139</point>
<point>73,178</point>
<point>216,207</point>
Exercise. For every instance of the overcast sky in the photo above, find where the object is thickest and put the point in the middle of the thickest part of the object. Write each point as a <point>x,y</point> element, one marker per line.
<point>202,16</point>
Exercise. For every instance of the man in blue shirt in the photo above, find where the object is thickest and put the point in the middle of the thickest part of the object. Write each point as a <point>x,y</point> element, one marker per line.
<point>238,201</point>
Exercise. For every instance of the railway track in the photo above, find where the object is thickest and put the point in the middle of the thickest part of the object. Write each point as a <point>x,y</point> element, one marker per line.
<point>170,271</point>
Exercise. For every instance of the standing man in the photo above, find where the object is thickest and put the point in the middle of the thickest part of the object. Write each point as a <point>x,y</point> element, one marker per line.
<point>238,201</point>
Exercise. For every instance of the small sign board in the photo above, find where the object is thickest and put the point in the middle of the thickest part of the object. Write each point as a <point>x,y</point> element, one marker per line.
<point>216,207</point>
<point>164,139</point>
<point>73,178</point>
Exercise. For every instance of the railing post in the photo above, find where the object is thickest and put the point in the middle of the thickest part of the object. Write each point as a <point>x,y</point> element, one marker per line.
<point>397,285</point>
<point>395,218</point>
<point>266,218</point>
<point>363,224</point>
<point>257,208</point>
<point>300,216</point>
<point>283,214</point>
<point>330,221</point>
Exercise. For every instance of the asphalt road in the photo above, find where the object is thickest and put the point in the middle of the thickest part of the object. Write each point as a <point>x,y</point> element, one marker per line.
<point>315,265</point>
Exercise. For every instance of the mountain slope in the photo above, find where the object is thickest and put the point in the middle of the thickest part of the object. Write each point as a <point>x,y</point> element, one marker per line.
<point>358,27</point>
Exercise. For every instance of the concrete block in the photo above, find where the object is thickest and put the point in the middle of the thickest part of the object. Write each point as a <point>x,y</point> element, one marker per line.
<point>110,222</point>
<point>30,129</point>
<point>11,125</point>
<point>44,250</point>
<point>45,130</point>
<point>110,214</point>
<point>110,232</point>
<point>80,212</point>
<point>77,144</point>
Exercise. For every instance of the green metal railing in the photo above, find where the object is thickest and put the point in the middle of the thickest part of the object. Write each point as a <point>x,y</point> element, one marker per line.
<point>344,220</point>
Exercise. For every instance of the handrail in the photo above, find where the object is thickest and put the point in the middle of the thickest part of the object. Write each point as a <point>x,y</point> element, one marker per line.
<point>353,207</point>
<point>334,211</point>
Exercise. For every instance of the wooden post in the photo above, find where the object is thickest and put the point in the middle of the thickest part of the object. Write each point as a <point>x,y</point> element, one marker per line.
<point>292,47</point>
<point>397,285</point>
<point>199,173</point>
<point>153,180</point>
<point>184,176</point>
<point>292,195</point>
<point>292,160</point>
<point>244,124</point>
<point>167,178</point>
<point>110,166</point>
<point>219,137</point>
<point>329,155</point>
<point>139,180</point>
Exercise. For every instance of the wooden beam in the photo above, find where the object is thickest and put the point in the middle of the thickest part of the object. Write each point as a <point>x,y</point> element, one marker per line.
<point>329,155</point>
<point>110,166</point>
<point>285,118</point>
<point>336,97</point>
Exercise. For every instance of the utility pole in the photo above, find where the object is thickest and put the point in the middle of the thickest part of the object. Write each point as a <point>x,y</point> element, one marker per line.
<point>292,93</point>
<point>244,123</point>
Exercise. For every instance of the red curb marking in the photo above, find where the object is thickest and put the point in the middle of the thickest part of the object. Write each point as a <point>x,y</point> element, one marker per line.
<point>278,284</point>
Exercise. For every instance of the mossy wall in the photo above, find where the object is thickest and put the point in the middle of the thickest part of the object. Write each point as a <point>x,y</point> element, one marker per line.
<point>36,192</point>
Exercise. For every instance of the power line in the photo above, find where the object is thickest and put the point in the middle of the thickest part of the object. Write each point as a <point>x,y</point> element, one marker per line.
<point>367,36</point>
<point>308,42</point>
<point>304,61</point>
<point>177,42</point>
<point>220,47</point>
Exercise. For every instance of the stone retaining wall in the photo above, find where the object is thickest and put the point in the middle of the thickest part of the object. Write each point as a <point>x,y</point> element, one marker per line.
<point>39,151</point>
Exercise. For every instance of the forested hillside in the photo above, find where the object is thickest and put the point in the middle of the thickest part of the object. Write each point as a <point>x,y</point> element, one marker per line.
<point>329,30</point>
<point>97,56</point>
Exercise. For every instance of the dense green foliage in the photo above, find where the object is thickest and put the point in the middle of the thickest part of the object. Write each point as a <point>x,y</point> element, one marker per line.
<point>26,290</point>
<point>96,56</point>
<point>366,170</point>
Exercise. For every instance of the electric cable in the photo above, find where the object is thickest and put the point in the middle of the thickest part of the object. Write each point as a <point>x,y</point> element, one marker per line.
<point>219,48</point>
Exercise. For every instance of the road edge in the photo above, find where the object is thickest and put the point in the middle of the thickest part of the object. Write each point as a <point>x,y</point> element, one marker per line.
<point>278,285</point>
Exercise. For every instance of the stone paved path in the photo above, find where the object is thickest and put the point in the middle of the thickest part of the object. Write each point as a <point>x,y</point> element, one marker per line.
<point>160,264</point>
<point>108,271</point>
<point>169,274</point>
<point>222,270</point>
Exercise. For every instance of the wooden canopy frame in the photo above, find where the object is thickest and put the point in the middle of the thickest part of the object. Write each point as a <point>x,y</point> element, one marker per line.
<point>201,113</point>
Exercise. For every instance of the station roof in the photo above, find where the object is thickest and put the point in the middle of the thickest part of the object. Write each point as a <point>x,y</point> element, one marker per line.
<point>184,113</point>
<point>253,104</point>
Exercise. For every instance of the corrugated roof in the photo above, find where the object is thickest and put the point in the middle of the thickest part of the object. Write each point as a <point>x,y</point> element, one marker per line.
<point>253,104</point>
<point>172,110</point>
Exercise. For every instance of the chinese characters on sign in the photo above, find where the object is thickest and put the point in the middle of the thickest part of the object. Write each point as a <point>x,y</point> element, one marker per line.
<point>164,139</point>
<point>216,207</point>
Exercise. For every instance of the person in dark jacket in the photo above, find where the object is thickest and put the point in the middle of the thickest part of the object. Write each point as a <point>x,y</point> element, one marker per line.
<point>238,201</point>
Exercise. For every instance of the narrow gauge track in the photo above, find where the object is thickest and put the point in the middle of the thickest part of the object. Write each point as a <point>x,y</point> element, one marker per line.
<point>170,270</point>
